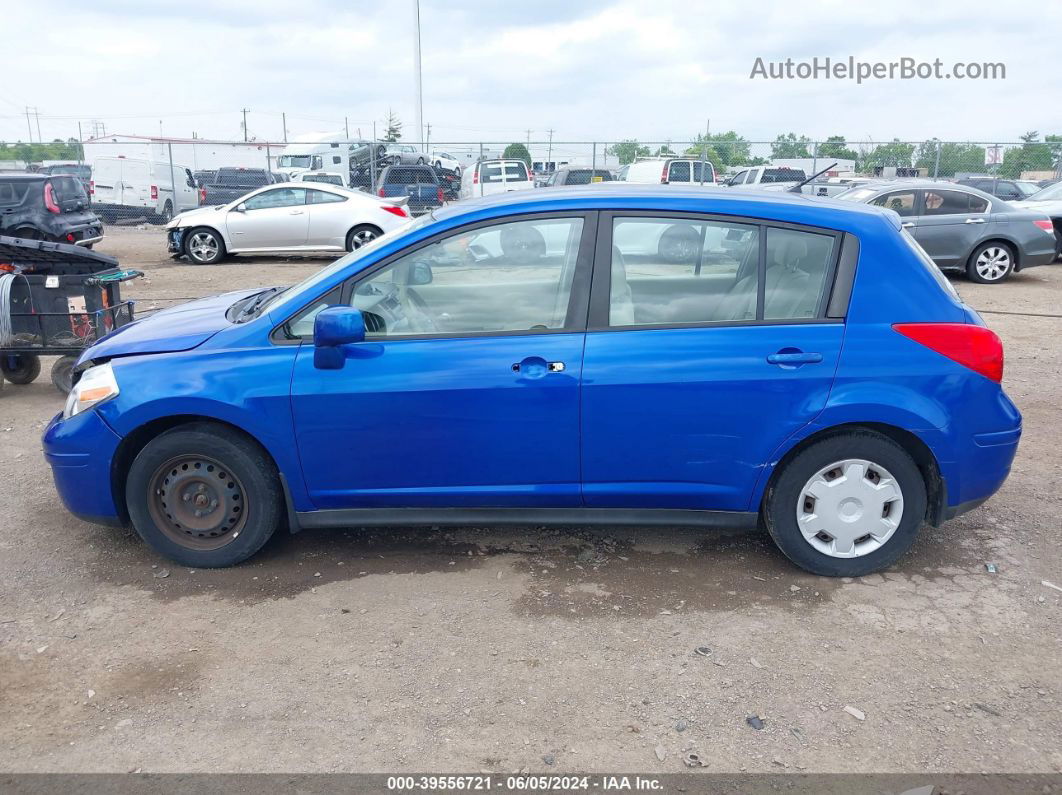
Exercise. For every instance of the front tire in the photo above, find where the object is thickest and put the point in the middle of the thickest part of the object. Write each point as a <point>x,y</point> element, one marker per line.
<point>204,246</point>
<point>847,505</point>
<point>990,263</point>
<point>204,495</point>
<point>62,374</point>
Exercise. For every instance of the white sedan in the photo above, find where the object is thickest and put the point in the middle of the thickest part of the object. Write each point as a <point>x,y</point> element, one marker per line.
<point>291,217</point>
<point>444,160</point>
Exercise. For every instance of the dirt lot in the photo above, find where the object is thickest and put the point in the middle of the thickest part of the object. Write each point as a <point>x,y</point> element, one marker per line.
<point>488,649</point>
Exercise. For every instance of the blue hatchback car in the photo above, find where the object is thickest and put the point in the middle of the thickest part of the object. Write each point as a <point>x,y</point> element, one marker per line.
<point>598,355</point>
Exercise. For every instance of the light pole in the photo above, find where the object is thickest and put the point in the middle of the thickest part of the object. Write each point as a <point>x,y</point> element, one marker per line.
<point>418,98</point>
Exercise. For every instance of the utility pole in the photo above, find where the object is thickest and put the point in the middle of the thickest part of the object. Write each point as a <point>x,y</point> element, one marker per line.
<point>37,113</point>
<point>529,138</point>
<point>418,96</point>
<point>549,147</point>
<point>29,127</point>
<point>346,128</point>
<point>704,149</point>
<point>284,124</point>
<point>427,135</point>
<point>244,112</point>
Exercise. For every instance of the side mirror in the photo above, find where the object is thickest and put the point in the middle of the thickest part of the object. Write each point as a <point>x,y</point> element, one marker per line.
<point>332,328</point>
<point>240,208</point>
<point>420,274</point>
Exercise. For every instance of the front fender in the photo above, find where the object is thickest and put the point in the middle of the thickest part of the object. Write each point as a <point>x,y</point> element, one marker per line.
<point>248,389</point>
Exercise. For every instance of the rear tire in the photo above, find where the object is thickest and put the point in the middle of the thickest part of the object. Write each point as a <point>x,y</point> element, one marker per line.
<point>204,495</point>
<point>24,370</point>
<point>361,235</point>
<point>165,216</point>
<point>991,263</point>
<point>860,520</point>
<point>204,246</point>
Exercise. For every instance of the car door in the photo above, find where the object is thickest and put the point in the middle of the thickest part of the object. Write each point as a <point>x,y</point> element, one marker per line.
<point>694,374</point>
<point>331,216</point>
<point>466,389</point>
<point>949,224</point>
<point>272,219</point>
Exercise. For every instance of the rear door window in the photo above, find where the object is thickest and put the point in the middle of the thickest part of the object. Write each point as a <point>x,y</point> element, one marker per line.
<point>516,172</point>
<point>679,171</point>
<point>490,172</point>
<point>709,174</point>
<point>402,176</point>
<point>947,202</point>
<point>797,266</point>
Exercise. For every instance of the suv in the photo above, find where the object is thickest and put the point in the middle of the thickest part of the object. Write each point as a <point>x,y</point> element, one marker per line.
<point>45,207</point>
<point>573,175</point>
<point>529,359</point>
<point>1006,189</point>
<point>494,176</point>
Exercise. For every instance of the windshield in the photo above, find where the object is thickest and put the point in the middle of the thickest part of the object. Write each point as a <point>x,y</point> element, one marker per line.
<point>307,286</point>
<point>295,161</point>
<point>1050,193</point>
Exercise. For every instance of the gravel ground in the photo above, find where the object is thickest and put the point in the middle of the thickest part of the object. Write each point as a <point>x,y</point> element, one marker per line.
<point>502,649</point>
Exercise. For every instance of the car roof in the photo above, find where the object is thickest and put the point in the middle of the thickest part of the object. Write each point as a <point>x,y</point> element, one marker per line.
<point>27,177</point>
<point>923,184</point>
<point>780,205</point>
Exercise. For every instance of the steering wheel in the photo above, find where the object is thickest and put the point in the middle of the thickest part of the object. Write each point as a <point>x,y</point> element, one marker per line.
<point>421,318</point>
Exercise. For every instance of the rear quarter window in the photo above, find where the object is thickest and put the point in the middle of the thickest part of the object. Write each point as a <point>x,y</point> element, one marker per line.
<point>13,193</point>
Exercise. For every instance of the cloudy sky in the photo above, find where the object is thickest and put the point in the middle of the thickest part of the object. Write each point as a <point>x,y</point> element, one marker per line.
<point>588,69</point>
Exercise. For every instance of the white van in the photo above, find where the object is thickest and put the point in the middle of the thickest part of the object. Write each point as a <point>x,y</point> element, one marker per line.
<point>488,177</point>
<point>671,171</point>
<point>124,187</point>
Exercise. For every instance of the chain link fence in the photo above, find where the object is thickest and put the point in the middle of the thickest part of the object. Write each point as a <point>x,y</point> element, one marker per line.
<point>138,179</point>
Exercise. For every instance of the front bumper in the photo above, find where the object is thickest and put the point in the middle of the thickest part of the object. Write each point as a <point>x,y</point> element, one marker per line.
<point>80,451</point>
<point>175,241</point>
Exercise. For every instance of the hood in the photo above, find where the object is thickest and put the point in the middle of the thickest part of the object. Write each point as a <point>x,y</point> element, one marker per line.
<point>191,217</point>
<point>179,328</point>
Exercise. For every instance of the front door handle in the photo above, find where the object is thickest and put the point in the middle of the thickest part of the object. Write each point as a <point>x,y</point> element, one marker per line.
<point>535,366</point>
<point>790,358</point>
<point>974,221</point>
<point>296,212</point>
<point>907,225</point>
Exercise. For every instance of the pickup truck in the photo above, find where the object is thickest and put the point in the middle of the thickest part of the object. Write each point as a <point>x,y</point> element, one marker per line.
<point>419,183</point>
<point>781,178</point>
<point>230,184</point>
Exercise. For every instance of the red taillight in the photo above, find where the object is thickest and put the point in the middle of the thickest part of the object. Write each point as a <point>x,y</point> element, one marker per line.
<point>70,237</point>
<point>663,174</point>
<point>1045,224</point>
<point>971,346</point>
<point>394,210</point>
<point>440,196</point>
<point>475,176</point>
<point>92,187</point>
<point>202,195</point>
<point>154,191</point>
<point>49,199</point>
<point>381,192</point>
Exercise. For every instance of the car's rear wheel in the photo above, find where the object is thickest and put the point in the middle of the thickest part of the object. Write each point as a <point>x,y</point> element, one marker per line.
<point>204,246</point>
<point>28,233</point>
<point>166,215</point>
<point>204,495</point>
<point>847,505</point>
<point>21,368</point>
<point>990,263</point>
<point>361,235</point>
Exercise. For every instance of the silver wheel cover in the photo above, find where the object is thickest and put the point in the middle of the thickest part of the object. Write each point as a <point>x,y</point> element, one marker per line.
<point>849,508</point>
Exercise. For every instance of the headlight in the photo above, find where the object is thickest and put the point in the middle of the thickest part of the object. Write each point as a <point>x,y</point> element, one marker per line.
<point>97,384</point>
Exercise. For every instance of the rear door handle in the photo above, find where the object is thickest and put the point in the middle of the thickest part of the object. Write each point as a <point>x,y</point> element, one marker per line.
<point>974,221</point>
<point>794,357</point>
<point>296,212</point>
<point>535,366</point>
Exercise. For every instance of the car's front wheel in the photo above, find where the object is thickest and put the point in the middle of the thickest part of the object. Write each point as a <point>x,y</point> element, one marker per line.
<point>204,495</point>
<point>204,246</point>
<point>847,505</point>
<point>990,263</point>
